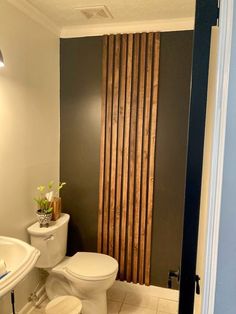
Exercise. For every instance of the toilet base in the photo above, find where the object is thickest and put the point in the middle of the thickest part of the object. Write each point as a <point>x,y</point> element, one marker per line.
<point>59,286</point>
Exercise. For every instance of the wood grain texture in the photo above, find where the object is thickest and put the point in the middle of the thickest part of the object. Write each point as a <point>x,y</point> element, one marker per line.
<point>151,170</point>
<point>102,143</point>
<point>120,149</point>
<point>125,177</point>
<point>143,227</point>
<point>127,152</point>
<point>114,125</point>
<point>108,142</point>
<point>132,157</point>
<point>138,163</point>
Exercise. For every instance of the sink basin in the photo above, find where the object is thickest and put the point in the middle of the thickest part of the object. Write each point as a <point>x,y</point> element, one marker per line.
<point>19,257</point>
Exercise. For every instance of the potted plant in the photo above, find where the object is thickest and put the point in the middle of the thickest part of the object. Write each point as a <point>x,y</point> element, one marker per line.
<point>45,202</point>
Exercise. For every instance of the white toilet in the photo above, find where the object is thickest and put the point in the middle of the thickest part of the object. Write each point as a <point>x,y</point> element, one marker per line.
<point>84,275</point>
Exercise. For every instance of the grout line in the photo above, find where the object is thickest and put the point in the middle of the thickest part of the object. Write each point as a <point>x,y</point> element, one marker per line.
<point>158,300</point>
<point>123,302</point>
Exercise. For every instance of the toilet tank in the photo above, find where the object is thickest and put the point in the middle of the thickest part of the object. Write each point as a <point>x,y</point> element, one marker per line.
<point>51,241</point>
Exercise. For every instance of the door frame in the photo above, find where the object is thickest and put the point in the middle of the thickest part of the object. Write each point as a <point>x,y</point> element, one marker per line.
<point>216,176</point>
<point>206,16</point>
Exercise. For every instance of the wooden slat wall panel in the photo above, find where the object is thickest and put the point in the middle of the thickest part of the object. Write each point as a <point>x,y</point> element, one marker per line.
<point>120,144</point>
<point>139,135</point>
<point>127,152</point>
<point>125,179</point>
<point>114,123</point>
<point>151,171</point>
<point>132,157</point>
<point>102,143</point>
<point>108,135</point>
<point>143,226</point>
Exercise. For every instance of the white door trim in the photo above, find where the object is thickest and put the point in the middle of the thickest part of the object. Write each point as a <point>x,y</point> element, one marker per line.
<point>216,178</point>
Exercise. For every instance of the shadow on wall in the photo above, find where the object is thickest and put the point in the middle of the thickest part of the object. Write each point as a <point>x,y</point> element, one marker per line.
<point>75,243</point>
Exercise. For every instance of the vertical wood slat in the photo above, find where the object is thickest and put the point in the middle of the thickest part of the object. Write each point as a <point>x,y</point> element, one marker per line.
<point>145,157</point>
<point>132,160</point>
<point>153,127</point>
<point>102,143</point>
<point>108,142</point>
<point>120,147</point>
<point>114,125</point>
<point>129,115</point>
<point>139,136</point>
<point>126,157</point>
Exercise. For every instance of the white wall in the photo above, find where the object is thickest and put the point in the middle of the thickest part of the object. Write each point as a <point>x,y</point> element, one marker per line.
<point>207,158</point>
<point>29,125</point>
<point>225,298</point>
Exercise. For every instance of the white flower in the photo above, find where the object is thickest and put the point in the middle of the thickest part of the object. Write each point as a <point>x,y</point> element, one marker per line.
<point>49,196</point>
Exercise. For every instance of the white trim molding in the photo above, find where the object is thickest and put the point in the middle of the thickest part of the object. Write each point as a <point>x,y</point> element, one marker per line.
<point>162,25</point>
<point>214,207</point>
<point>131,27</point>
<point>25,7</point>
<point>159,292</point>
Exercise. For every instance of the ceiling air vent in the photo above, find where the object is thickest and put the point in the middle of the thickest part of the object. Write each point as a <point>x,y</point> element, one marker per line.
<point>98,12</point>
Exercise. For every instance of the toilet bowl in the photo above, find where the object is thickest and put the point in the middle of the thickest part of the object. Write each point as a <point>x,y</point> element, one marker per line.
<point>85,275</point>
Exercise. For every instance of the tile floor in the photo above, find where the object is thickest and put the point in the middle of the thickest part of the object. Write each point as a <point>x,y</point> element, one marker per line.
<point>123,302</point>
<point>126,302</point>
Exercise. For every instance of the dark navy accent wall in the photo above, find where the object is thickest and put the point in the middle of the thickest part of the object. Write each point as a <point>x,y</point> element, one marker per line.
<point>81,62</point>
<point>81,68</point>
<point>171,154</point>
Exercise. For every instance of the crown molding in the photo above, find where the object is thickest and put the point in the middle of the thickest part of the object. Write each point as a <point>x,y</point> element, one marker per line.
<point>36,15</point>
<point>169,25</point>
<point>131,27</point>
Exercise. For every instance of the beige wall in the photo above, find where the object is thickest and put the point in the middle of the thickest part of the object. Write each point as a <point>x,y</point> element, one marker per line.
<point>206,166</point>
<point>29,125</point>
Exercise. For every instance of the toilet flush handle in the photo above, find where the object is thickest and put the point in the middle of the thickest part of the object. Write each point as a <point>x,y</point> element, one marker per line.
<point>49,238</point>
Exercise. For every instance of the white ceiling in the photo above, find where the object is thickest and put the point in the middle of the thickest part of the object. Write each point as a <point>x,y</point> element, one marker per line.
<point>65,13</point>
<point>65,16</point>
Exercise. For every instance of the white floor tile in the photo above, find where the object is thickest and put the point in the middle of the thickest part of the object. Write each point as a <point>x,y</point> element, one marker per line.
<point>113,307</point>
<point>124,300</point>
<point>37,311</point>
<point>167,306</point>
<point>143,300</point>
<point>130,309</point>
<point>116,294</point>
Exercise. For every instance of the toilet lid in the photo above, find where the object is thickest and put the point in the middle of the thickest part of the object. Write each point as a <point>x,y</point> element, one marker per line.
<point>91,266</point>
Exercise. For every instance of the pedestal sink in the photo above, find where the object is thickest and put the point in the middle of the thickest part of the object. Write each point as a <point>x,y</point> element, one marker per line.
<point>19,257</point>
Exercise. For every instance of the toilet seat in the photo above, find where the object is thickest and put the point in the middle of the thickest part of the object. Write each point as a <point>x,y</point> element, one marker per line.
<point>89,266</point>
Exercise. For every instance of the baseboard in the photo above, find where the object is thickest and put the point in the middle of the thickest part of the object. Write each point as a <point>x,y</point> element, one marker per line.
<point>27,308</point>
<point>162,293</point>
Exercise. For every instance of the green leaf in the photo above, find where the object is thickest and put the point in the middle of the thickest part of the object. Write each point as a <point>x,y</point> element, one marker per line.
<point>50,184</point>
<point>41,188</point>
